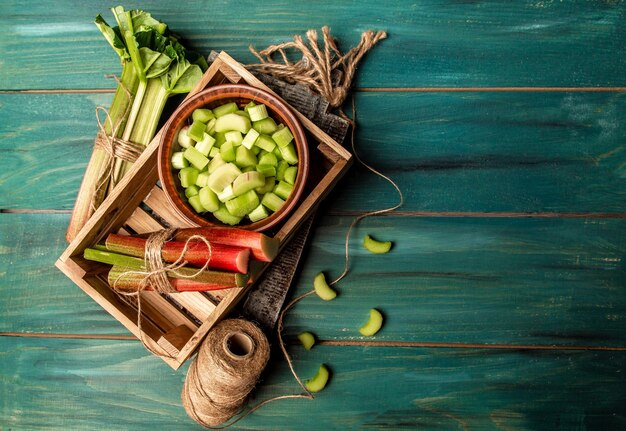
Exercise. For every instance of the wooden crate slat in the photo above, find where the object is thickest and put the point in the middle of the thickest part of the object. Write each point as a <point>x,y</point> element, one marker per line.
<point>141,222</point>
<point>164,314</point>
<point>157,201</point>
<point>195,302</point>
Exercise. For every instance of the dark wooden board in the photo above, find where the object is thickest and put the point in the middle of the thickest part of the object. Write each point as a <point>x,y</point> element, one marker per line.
<point>454,280</point>
<point>432,43</point>
<point>520,152</point>
<point>526,281</point>
<point>91,384</point>
<point>34,295</point>
<point>457,277</point>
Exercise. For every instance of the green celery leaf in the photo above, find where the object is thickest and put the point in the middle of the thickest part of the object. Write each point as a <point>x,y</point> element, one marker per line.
<point>182,77</point>
<point>113,37</point>
<point>124,21</point>
<point>151,39</point>
<point>142,20</point>
<point>171,53</point>
<point>155,63</point>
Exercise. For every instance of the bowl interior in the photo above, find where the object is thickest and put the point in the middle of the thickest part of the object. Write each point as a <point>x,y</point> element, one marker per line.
<point>211,98</point>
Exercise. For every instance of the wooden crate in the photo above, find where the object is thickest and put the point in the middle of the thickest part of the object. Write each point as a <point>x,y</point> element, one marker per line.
<point>175,324</point>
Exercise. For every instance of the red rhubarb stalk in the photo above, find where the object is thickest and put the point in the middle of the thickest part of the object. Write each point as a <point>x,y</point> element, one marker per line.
<point>221,256</point>
<point>128,280</point>
<point>263,247</point>
<point>219,278</point>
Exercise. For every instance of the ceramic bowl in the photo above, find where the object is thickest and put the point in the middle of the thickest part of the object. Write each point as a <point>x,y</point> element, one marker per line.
<point>211,98</point>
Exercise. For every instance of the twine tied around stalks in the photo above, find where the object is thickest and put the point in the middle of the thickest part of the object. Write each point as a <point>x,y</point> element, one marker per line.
<point>324,70</point>
<point>155,274</point>
<point>112,145</point>
<point>117,147</point>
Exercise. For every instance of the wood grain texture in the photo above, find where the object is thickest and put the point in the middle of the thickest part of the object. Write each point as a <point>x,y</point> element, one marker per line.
<point>431,42</point>
<point>34,295</point>
<point>490,152</point>
<point>45,142</point>
<point>546,138</point>
<point>518,281</point>
<point>538,152</point>
<point>89,384</point>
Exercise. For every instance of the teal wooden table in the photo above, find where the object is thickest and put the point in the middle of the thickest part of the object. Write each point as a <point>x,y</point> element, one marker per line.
<point>504,124</point>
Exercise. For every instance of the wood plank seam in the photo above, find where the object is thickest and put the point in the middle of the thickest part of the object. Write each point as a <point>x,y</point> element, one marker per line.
<point>351,343</point>
<point>502,89</point>
<point>488,214</point>
<point>451,214</point>
<point>490,89</point>
<point>366,343</point>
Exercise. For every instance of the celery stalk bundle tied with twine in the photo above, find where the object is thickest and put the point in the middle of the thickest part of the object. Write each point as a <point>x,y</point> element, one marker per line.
<point>328,72</point>
<point>155,66</point>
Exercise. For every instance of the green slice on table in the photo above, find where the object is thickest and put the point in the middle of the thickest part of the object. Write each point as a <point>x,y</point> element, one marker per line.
<point>307,339</point>
<point>319,381</point>
<point>376,247</point>
<point>374,323</point>
<point>322,288</point>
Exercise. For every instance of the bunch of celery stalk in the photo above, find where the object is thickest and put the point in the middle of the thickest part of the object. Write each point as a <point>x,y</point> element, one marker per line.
<point>155,66</point>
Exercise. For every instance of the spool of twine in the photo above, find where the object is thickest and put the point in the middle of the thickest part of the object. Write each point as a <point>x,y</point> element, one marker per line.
<point>226,369</point>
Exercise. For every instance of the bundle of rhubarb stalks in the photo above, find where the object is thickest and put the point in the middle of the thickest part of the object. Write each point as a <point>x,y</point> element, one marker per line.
<point>211,258</point>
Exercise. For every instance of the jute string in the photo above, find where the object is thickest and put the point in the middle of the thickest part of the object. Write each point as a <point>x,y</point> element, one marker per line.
<point>323,69</point>
<point>155,274</point>
<point>215,390</point>
<point>112,145</point>
<point>355,221</point>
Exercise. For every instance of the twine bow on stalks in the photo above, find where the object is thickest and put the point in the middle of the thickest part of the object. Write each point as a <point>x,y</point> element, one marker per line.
<point>115,148</point>
<point>154,277</point>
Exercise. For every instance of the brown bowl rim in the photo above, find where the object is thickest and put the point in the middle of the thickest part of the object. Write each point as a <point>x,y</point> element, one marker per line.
<point>231,91</point>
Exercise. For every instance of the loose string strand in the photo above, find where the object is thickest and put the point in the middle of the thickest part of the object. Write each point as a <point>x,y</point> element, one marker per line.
<point>241,414</point>
<point>368,213</point>
<point>280,325</point>
<point>281,342</point>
